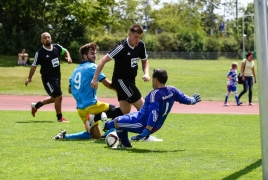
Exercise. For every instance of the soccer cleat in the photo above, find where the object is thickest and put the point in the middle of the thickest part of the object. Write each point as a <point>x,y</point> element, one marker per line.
<point>60,135</point>
<point>151,139</point>
<point>104,120</point>
<point>90,122</point>
<point>34,110</point>
<point>62,119</point>
<point>239,103</point>
<point>121,146</point>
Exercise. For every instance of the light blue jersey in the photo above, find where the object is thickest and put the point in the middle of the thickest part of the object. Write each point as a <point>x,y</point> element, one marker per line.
<point>80,84</point>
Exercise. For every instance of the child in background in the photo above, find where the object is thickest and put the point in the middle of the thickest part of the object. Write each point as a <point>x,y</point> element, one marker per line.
<point>232,84</point>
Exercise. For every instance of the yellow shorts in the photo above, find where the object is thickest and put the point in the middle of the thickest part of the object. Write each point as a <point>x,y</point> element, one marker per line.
<point>97,108</point>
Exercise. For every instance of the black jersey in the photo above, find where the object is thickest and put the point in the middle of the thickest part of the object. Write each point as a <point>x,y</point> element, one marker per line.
<point>49,60</point>
<point>126,59</point>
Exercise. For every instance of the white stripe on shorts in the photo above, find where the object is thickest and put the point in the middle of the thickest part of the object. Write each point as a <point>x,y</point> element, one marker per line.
<point>123,86</point>
<point>50,88</point>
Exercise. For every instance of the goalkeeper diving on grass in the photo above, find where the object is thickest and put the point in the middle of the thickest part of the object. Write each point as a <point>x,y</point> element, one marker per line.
<point>151,117</point>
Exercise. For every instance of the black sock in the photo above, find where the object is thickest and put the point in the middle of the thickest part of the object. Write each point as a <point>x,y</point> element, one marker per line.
<point>38,105</point>
<point>59,116</point>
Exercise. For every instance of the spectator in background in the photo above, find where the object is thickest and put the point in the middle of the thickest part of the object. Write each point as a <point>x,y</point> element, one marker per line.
<point>248,76</point>
<point>22,57</point>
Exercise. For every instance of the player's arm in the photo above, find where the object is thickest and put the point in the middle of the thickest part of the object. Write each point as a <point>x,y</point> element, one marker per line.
<point>67,55</point>
<point>31,73</point>
<point>70,86</point>
<point>107,83</point>
<point>94,82</point>
<point>152,119</point>
<point>145,68</point>
<point>184,99</point>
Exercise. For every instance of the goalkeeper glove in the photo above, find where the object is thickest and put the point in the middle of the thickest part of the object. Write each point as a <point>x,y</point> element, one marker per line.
<point>145,133</point>
<point>195,98</point>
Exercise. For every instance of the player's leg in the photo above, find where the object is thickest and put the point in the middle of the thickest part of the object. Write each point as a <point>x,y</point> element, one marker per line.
<point>25,58</point>
<point>227,95</point>
<point>125,106</point>
<point>234,89</point>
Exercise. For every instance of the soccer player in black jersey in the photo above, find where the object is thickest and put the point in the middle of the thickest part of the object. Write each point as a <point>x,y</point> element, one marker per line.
<point>48,58</point>
<point>126,55</point>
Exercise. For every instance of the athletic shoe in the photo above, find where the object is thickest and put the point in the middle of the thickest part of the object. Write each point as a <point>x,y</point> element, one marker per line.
<point>60,135</point>
<point>251,104</point>
<point>104,120</point>
<point>239,103</point>
<point>62,119</point>
<point>121,146</point>
<point>34,110</point>
<point>226,104</point>
<point>90,122</point>
<point>151,139</point>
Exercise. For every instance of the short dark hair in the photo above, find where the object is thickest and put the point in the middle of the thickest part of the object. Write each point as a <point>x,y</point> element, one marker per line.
<point>84,49</point>
<point>160,75</point>
<point>136,28</point>
<point>249,53</point>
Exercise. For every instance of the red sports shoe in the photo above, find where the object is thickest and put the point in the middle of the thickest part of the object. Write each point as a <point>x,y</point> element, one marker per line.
<point>62,120</point>
<point>34,110</point>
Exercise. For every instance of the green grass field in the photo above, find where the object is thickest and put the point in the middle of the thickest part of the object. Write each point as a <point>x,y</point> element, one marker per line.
<point>205,77</point>
<point>195,147</point>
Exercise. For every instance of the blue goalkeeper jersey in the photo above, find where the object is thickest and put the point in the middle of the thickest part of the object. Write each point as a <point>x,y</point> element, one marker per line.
<point>80,84</point>
<point>158,104</point>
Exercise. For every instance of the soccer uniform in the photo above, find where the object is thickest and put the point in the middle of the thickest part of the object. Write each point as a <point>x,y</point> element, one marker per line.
<point>49,61</point>
<point>85,96</point>
<point>125,69</point>
<point>231,84</point>
<point>154,111</point>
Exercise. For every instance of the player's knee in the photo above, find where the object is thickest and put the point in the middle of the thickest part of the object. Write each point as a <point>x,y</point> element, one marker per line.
<point>115,123</point>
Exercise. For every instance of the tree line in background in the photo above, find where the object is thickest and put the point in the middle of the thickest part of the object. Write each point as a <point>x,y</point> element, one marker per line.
<point>185,26</point>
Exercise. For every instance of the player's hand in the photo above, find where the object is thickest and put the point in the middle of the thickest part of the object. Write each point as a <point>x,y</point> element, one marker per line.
<point>196,98</point>
<point>69,60</point>
<point>27,81</point>
<point>94,84</point>
<point>146,78</point>
<point>136,138</point>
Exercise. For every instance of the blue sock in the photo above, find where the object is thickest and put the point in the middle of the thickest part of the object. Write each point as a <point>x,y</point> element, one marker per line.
<point>123,137</point>
<point>80,135</point>
<point>226,99</point>
<point>111,130</point>
<point>236,98</point>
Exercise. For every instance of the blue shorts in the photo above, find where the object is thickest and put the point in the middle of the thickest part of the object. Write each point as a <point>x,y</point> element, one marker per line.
<point>231,88</point>
<point>130,123</point>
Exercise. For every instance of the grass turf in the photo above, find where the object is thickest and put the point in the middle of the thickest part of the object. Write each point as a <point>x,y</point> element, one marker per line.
<point>194,147</point>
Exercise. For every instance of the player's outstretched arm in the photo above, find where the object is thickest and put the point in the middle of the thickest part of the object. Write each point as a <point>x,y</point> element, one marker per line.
<point>94,82</point>
<point>195,98</point>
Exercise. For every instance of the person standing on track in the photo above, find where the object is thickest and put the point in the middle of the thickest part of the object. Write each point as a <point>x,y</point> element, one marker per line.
<point>48,57</point>
<point>126,55</point>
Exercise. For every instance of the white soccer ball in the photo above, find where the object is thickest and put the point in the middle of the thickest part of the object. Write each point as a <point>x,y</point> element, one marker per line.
<point>112,140</point>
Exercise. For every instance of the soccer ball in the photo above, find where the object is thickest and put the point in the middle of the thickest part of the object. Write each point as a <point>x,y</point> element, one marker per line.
<point>112,139</point>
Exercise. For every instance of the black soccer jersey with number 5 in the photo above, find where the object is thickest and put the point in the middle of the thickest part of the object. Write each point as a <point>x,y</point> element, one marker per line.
<point>126,59</point>
<point>49,59</point>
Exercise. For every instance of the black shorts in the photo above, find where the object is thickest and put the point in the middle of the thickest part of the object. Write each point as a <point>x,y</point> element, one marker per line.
<point>126,90</point>
<point>52,86</point>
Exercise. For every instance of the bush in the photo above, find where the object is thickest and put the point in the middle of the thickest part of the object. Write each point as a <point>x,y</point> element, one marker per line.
<point>213,45</point>
<point>74,51</point>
